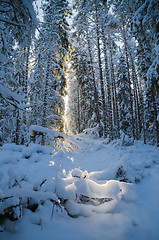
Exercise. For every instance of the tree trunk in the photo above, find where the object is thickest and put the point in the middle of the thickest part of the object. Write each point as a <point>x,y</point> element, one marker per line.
<point>94,82</point>
<point>129,79</point>
<point>101,75</point>
<point>136,95</point>
<point>79,124</point>
<point>46,92</point>
<point>25,87</point>
<point>152,92</point>
<point>116,109</point>
<point>109,105</point>
<point>17,133</point>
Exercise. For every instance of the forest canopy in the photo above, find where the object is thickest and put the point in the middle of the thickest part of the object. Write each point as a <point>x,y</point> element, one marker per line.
<point>106,59</point>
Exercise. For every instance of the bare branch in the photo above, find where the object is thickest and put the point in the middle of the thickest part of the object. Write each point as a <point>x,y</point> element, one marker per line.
<point>11,22</point>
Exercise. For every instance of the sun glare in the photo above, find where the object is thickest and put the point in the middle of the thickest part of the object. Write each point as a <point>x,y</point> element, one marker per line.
<point>66,122</point>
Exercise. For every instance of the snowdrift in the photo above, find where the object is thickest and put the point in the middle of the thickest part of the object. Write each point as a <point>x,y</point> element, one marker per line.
<point>82,196</point>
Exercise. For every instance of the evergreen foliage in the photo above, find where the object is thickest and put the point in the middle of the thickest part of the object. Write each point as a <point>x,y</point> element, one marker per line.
<point>110,60</point>
<point>123,97</point>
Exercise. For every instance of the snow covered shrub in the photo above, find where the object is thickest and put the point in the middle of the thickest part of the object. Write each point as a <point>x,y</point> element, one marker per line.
<point>10,209</point>
<point>92,132</point>
<point>22,195</point>
<point>126,140</point>
<point>121,174</point>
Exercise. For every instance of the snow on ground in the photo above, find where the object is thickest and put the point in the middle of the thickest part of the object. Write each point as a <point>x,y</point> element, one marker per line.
<point>117,210</point>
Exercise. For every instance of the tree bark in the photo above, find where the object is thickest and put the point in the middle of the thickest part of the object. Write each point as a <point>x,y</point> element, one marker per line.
<point>25,87</point>
<point>129,79</point>
<point>116,109</point>
<point>109,105</point>
<point>101,74</point>
<point>152,92</point>
<point>17,128</point>
<point>94,82</point>
<point>79,124</point>
<point>46,92</point>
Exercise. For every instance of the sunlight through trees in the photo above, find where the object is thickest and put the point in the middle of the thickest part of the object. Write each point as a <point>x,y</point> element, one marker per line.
<point>97,69</point>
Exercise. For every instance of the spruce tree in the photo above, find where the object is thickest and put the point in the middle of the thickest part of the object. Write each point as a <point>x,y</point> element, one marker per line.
<point>124,97</point>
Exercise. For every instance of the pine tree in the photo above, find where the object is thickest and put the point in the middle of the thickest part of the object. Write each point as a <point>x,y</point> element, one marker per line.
<point>145,25</point>
<point>18,22</point>
<point>124,97</point>
<point>84,96</point>
<point>48,72</point>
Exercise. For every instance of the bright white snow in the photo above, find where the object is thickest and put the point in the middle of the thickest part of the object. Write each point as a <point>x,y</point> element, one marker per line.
<point>92,172</point>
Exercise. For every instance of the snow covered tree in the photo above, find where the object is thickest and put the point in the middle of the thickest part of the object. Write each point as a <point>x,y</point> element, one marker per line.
<point>90,11</point>
<point>48,78</point>
<point>17,24</point>
<point>124,97</point>
<point>145,26</point>
<point>84,95</point>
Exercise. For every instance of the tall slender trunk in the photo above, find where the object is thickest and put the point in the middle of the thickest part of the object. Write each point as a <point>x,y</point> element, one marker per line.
<point>136,91</point>
<point>17,130</point>
<point>116,109</point>
<point>79,123</point>
<point>109,105</point>
<point>152,94</point>
<point>152,91</point>
<point>129,79</point>
<point>25,87</point>
<point>142,108</point>
<point>17,133</point>
<point>101,74</point>
<point>94,82</point>
<point>46,92</point>
<point>156,121</point>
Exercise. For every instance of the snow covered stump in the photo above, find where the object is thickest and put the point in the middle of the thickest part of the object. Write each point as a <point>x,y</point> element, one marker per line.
<point>82,196</point>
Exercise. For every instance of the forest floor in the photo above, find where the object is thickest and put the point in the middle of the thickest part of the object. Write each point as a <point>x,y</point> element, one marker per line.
<point>129,176</point>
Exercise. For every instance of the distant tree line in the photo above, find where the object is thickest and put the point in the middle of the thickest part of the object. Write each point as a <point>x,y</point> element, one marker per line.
<point>114,68</point>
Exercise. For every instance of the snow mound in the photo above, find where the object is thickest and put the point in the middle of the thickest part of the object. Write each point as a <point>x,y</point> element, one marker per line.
<point>78,173</point>
<point>82,196</point>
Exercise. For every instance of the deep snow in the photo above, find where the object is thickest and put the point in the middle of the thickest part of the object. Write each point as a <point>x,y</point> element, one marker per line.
<point>92,169</point>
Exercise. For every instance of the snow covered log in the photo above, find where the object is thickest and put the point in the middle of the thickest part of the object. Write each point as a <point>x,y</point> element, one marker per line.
<point>36,131</point>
